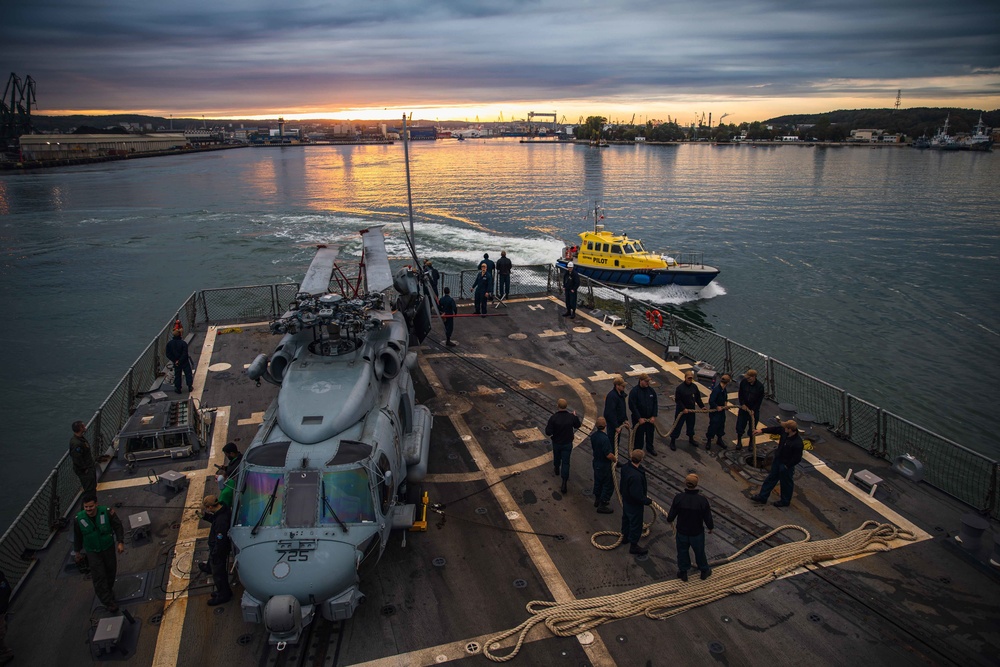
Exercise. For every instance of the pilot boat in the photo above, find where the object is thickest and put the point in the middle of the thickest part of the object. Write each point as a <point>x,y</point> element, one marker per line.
<point>619,260</point>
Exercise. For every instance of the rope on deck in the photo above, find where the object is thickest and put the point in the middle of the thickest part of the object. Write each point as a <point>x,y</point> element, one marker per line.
<point>669,598</point>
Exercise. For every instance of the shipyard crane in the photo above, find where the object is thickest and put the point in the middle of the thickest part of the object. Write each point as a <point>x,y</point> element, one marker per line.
<point>899,94</point>
<point>15,110</point>
<point>631,123</point>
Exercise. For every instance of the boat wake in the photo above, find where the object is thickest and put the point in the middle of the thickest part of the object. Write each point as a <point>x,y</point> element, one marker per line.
<point>675,295</point>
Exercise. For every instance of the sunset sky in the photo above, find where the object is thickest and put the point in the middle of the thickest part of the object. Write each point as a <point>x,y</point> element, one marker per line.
<point>459,59</point>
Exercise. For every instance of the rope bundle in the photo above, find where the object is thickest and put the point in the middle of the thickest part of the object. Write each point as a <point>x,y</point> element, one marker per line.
<point>669,598</point>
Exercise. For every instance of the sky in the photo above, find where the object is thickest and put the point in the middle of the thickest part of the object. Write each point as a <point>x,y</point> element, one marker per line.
<point>468,59</point>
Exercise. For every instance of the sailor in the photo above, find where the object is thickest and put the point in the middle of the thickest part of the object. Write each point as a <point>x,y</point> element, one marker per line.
<point>571,283</point>
<point>687,396</point>
<point>642,402</point>
<point>693,515</point>
<point>481,287</point>
<point>97,531</point>
<point>227,488</point>
<point>83,459</point>
<point>177,352</point>
<point>604,458</point>
<point>219,546</point>
<point>632,486</point>
<point>504,266</point>
<point>788,454</point>
<point>560,428</point>
<point>615,413</point>
<point>490,272</point>
<point>448,309</point>
<point>751,396</point>
<point>6,653</point>
<point>233,459</point>
<point>718,401</point>
<point>433,275</point>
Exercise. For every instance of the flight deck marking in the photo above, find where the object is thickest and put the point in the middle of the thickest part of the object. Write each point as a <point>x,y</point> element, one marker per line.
<point>483,390</point>
<point>819,465</point>
<point>601,375</point>
<point>536,307</point>
<point>549,333</point>
<point>639,369</point>
<point>529,384</point>
<point>597,652</point>
<point>254,418</point>
<point>168,639</point>
<point>588,417</point>
<point>533,434</point>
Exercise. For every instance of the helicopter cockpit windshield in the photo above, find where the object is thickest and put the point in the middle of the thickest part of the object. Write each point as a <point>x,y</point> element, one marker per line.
<point>306,498</point>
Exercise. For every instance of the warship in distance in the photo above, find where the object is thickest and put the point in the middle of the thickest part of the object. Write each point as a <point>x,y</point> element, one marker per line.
<point>322,483</point>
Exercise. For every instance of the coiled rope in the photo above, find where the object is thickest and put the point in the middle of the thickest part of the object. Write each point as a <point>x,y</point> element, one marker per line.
<point>669,598</point>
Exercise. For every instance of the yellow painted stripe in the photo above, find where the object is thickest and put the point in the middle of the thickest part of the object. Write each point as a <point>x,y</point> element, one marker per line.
<point>597,652</point>
<point>168,640</point>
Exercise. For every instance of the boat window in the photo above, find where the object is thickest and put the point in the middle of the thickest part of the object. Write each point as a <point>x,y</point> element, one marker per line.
<point>257,490</point>
<point>629,249</point>
<point>302,498</point>
<point>605,247</point>
<point>590,245</point>
<point>349,495</point>
<point>616,249</point>
<point>639,246</point>
<point>616,262</point>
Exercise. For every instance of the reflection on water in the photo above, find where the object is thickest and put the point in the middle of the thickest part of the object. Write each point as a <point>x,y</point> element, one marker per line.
<point>848,264</point>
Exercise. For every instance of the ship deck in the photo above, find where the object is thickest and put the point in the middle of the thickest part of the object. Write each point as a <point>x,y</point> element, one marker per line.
<point>504,535</point>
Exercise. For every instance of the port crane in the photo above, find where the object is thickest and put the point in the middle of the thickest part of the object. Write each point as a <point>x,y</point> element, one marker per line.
<point>15,110</point>
<point>532,115</point>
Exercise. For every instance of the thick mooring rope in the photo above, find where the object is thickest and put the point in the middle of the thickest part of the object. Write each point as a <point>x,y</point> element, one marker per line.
<point>668,598</point>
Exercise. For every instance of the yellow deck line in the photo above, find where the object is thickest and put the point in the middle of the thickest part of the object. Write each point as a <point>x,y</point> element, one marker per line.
<point>597,652</point>
<point>168,639</point>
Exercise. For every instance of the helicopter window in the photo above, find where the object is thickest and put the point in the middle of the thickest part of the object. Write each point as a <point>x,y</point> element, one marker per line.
<point>385,491</point>
<point>301,498</point>
<point>349,495</point>
<point>349,452</point>
<point>406,413</point>
<point>270,455</point>
<point>257,490</point>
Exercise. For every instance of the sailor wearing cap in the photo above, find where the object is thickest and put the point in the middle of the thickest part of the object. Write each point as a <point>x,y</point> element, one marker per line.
<point>571,283</point>
<point>786,457</point>
<point>693,515</point>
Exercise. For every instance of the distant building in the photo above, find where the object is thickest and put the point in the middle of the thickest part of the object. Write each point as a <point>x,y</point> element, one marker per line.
<point>67,146</point>
<point>790,137</point>
<point>870,136</point>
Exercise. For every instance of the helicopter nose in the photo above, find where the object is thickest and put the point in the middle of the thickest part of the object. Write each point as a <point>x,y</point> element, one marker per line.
<point>318,571</point>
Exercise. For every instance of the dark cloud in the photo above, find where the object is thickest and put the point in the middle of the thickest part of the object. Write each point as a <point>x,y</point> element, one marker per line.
<point>252,55</point>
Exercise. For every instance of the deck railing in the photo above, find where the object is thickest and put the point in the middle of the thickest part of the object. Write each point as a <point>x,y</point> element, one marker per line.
<point>956,470</point>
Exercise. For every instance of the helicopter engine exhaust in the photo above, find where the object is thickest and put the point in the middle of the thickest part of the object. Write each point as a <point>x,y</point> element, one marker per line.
<point>283,356</point>
<point>257,368</point>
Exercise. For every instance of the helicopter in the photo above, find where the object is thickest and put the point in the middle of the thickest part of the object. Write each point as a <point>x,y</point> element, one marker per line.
<point>324,481</point>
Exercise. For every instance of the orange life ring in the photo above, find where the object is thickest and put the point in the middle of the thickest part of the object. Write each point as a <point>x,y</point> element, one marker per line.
<point>656,319</point>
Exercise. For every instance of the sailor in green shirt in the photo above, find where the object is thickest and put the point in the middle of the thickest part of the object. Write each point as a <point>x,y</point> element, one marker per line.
<point>97,531</point>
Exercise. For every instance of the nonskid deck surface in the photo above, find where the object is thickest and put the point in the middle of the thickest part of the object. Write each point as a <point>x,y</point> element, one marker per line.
<point>504,534</point>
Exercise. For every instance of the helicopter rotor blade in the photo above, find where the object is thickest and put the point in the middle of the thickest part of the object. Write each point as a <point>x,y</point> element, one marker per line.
<point>377,272</point>
<point>317,279</point>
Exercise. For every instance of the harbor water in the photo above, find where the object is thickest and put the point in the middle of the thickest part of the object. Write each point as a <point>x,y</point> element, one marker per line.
<point>873,269</point>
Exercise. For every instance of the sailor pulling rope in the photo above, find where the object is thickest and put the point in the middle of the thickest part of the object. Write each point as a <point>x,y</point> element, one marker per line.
<point>665,599</point>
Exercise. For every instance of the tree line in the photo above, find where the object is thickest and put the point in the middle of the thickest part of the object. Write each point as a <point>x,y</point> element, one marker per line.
<point>829,126</point>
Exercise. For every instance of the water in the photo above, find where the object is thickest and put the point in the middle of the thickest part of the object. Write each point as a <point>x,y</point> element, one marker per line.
<point>875,270</point>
